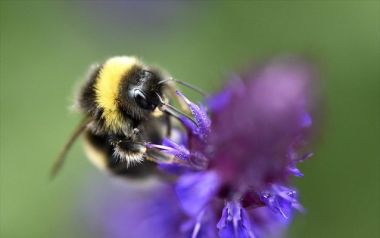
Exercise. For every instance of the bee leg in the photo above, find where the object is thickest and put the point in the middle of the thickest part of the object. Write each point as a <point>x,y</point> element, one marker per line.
<point>129,151</point>
<point>159,157</point>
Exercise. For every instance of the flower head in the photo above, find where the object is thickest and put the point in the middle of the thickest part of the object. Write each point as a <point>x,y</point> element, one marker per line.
<point>263,117</point>
<point>258,122</point>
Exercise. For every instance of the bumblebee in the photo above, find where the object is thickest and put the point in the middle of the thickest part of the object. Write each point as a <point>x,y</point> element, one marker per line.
<point>125,104</point>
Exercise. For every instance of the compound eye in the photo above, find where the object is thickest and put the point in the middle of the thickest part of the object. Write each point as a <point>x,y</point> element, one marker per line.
<point>141,100</point>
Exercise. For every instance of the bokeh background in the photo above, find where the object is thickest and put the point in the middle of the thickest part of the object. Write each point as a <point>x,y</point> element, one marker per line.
<point>46,47</point>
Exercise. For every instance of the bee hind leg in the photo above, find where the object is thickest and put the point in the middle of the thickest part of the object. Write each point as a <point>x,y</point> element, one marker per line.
<point>129,151</point>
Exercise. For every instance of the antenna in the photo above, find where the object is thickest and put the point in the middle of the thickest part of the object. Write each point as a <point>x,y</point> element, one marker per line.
<point>194,88</point>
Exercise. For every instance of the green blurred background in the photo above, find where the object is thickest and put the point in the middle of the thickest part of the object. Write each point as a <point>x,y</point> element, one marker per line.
<point>46,48</point>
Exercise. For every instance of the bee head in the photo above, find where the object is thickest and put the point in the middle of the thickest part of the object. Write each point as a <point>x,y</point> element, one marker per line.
<point>140,92</point>
<point>144,89</point>
<point>126,88</point>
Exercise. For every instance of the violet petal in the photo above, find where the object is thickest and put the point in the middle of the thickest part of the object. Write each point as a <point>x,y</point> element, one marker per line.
<point>194,190</point>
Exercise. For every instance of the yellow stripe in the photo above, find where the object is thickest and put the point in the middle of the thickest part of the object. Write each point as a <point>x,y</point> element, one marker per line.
<point>107,88</point>
<point>96,156</point>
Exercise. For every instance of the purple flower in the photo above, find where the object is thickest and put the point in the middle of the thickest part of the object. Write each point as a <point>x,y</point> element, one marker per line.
<point>234,222</point>
<point>259,122</point>
<point>116,209</point>
<point>171,147</point>
<point>281,200</point>
<point>196,190</point>
<point>252,133</point>
<point>203,122</point>
<point>240,154</point>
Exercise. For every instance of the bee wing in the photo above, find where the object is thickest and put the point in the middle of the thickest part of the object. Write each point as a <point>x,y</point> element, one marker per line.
<point>62,155</point>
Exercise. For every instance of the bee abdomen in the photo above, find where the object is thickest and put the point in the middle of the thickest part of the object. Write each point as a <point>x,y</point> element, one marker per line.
<point>126,163</point>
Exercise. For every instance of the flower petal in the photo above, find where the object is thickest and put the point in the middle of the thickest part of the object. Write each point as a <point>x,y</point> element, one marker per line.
<point>234,222</point>
<point>200,116</point>
<point>195,190</point>
<point>281,200</point>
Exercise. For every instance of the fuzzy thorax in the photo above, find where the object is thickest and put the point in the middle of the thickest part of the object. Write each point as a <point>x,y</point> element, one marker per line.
<point>107,88</point>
